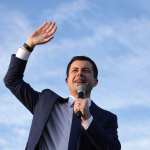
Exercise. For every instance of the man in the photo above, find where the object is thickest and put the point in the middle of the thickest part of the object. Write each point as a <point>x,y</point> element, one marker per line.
<point>75,123</point>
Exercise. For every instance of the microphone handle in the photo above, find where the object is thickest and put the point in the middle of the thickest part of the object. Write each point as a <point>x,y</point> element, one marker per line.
<point>80,95</point>
<point>79,114</point>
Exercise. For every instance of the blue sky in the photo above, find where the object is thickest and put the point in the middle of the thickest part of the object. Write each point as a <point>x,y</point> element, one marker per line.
<point>114,33</point>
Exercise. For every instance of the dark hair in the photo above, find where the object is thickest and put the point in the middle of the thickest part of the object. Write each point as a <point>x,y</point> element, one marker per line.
<point>95,70</point>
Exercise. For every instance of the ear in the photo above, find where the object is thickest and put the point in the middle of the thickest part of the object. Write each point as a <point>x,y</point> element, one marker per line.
<point>66,80</point>
<point>95,82</point>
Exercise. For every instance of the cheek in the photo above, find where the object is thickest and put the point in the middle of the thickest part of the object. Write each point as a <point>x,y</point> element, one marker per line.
<point>71,77</point>
<point>69,80</point>
<point>89,78</point>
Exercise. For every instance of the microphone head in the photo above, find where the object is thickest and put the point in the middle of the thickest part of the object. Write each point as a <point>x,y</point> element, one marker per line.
<point>81,89</point>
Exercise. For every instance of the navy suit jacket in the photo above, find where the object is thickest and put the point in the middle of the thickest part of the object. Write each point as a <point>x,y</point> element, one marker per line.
<point>101,134</point>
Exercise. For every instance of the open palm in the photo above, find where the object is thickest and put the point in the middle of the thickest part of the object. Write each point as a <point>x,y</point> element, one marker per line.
<point>43,34</point>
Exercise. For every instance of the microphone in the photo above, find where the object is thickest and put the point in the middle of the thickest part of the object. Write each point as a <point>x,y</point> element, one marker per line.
<point>81,94</point>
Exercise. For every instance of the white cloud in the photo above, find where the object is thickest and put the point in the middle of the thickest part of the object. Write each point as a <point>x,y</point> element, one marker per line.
<point>10,107</point>
<point>138,144</point>
<point>3,143</point>
<point>134,133</point>
<point>67,12</point>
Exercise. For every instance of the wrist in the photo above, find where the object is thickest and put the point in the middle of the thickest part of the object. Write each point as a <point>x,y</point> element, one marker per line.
<point>28,47</point>
<point>30,43</point>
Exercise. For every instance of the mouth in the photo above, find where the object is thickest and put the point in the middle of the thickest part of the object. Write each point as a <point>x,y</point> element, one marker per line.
<point>79,82</point>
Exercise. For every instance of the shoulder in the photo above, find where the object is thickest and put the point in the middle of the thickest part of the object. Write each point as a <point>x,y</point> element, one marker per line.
<point>103,112</point>
<point>48,91</point>
<point>49,95</point>
<point>104,117</point>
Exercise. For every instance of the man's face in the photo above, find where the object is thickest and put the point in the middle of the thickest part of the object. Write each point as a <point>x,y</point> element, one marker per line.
<point>81,72</point>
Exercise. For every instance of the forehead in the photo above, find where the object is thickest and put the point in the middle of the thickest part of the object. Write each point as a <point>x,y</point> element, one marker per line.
<point>81,64</point>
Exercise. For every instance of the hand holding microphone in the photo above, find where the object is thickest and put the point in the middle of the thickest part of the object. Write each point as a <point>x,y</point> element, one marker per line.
<point>81,107</point>
<point>81,95</point>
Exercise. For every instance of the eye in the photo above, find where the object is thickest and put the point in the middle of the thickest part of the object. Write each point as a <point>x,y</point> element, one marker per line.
<point>74,70</point>
<point>87,70</point>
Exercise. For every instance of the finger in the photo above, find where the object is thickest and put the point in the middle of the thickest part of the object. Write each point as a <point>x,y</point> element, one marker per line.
<point>76,102</point>
<point>77,105</point>
<point>76,109</point>
<point>47,35</point>
<point>47,39</point>
<point>84,106</point>
<point>52,32</point>
<point>51,28</point>
<point>42,27</point>
<point>46,26</point>
<point>50,38</point>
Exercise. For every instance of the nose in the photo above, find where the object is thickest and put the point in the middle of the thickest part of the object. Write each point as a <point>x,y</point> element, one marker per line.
<point>80,73</point>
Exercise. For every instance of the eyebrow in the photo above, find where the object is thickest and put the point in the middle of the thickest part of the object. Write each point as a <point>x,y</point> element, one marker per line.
<point>82,68</point>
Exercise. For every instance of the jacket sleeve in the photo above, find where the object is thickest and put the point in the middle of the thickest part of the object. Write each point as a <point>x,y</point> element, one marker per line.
<point>15,83</point>
<point>104,137</point>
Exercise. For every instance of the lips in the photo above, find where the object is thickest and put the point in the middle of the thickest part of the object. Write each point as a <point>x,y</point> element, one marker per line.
<point>78,82</point>
<point>81,82</point>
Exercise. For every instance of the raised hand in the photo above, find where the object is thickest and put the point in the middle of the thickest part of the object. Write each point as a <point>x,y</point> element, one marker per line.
<point>43,34</point>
